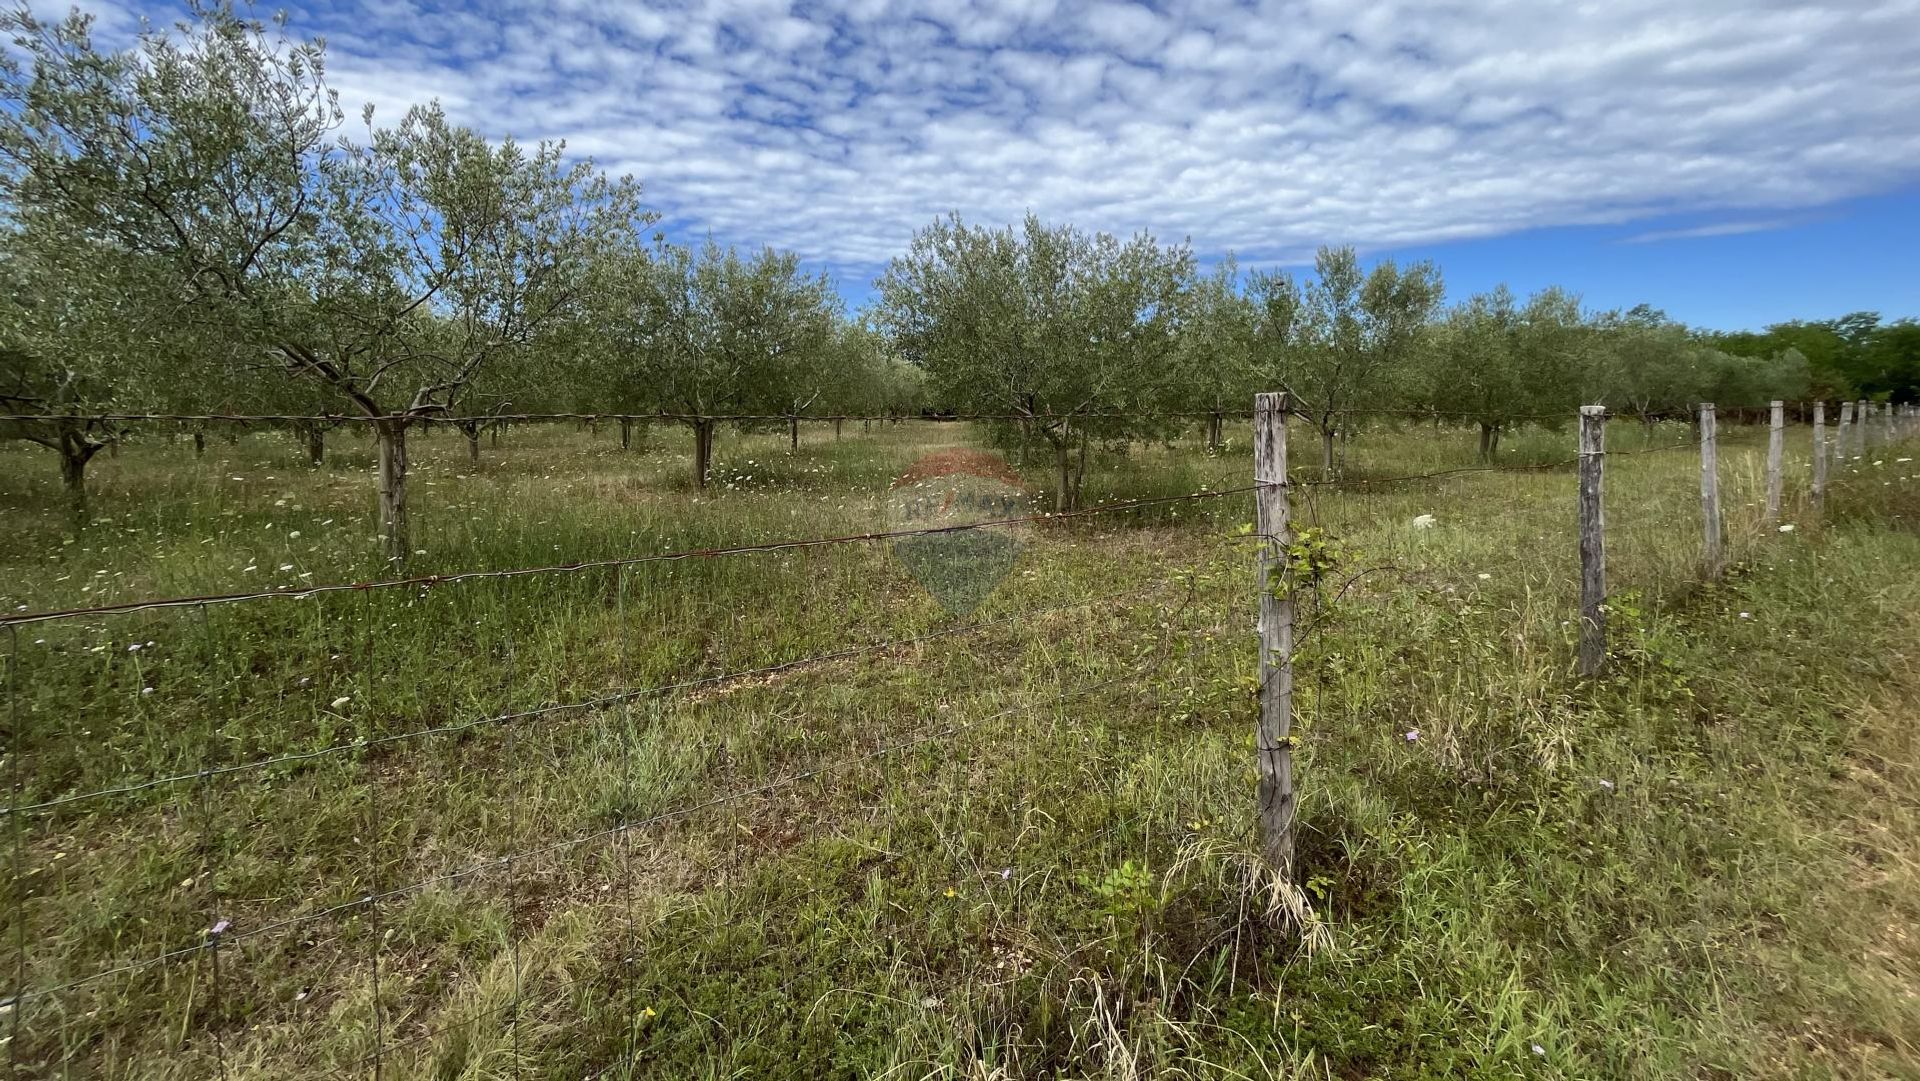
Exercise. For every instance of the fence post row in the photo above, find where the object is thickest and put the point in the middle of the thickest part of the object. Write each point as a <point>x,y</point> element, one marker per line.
<point>1776,450</point>
<point>1710,491</point>
<point>1593,549</point>
<point>1274,739</point>
<point>1819,453</point>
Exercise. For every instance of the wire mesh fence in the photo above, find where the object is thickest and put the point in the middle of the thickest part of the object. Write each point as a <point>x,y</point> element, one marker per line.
<point>182,768</point>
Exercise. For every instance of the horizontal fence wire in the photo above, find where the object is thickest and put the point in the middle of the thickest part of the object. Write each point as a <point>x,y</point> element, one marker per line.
<point>301,592</point>
<point>214,937</point>
<point>456,419</point>
<point>227,934</point>
<point>1559,463</point>
<point>367,1061</point>
<point>601,702</point>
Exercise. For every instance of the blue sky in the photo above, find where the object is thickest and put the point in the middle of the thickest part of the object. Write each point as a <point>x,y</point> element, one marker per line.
<point>1736,163</point>
<point>1721,270</point>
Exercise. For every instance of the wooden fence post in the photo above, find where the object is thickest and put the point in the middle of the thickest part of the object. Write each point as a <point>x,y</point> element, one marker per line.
<point>1862,415</point>
<point>1274,740</point>
<point>1819,453</point>
<point>1886,422</point>
<point>1846,426</point>
<point>1710,491</point>
<point>1593,545</point>
<point>1776,452</point>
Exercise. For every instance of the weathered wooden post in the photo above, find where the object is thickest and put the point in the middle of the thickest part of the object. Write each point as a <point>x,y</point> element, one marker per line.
<point>1862,417</point>
<point>1776,453</point>
<point>1710,491</point>
<point>1593,546</point>
<point>1274,741</point>
<point>1819,454</point>
<point>1888,434</point>
<point>1846,426</point>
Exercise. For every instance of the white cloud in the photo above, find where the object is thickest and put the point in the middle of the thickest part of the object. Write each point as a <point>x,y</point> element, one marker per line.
<point>837,127</point>
<point>1725,228</point>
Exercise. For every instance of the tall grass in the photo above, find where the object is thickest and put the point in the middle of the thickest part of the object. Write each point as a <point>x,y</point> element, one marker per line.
<point>1022,851</point>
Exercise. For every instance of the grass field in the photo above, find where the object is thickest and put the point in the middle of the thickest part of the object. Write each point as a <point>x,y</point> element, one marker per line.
<point>1015,844</point>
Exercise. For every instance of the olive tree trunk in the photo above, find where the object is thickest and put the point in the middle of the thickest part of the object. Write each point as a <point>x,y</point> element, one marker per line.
<point>391,435</point>
<point>75,453</point>
<point>1069,474</point>
<point>702,450</point>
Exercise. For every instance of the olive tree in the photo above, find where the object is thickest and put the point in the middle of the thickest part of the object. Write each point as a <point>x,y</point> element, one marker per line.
<point>1072,336</point>
<point>394,273</point>
<point>1495,363</point>
<point>1346,336</point>
<point>60,317</point>
<point>864,377</point>
<point>1216,347</point>
<point>1648,365</point>
<point>710,333</point>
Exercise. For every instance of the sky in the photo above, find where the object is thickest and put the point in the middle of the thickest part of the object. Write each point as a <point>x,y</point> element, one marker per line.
<point>1736,164</point>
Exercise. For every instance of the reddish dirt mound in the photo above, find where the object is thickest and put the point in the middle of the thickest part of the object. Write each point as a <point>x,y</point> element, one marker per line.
<point>948,463</point>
